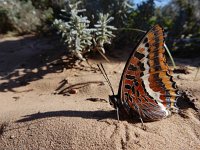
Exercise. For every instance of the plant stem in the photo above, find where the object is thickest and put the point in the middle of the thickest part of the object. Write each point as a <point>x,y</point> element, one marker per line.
<point>170,56</point>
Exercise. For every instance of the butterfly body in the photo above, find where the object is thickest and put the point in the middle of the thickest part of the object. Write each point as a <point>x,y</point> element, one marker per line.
<point>146,87</point>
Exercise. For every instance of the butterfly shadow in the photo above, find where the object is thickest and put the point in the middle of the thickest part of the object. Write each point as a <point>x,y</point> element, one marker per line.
<point>97,115</point>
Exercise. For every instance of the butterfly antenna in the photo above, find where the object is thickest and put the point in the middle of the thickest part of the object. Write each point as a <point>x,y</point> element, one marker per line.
<point>101,68</point>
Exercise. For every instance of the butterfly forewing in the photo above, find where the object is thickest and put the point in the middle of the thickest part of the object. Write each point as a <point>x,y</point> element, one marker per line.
<point>146,85</point>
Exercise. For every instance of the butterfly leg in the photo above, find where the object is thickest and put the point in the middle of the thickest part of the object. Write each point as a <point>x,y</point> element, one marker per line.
<point>143,126</point>
<point>118,114</point>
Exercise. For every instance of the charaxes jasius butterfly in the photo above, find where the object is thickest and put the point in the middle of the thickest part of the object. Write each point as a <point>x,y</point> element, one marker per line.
<point>146,88</point>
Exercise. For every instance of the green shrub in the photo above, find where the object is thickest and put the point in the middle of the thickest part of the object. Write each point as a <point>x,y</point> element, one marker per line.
<point>5,24</point>
<point>77,35</point>
<point>103,33</point>
<point>22,16</point>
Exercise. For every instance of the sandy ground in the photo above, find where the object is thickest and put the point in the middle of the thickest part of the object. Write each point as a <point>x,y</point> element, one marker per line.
<point>32,116</point>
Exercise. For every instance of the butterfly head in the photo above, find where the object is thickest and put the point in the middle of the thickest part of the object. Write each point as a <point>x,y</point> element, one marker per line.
<point>113,99</point>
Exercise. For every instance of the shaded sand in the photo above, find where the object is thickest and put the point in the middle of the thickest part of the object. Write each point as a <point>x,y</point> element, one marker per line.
<point>33,117</point>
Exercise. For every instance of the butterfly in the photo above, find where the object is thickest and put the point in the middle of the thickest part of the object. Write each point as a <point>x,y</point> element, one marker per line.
<point>146,88</point>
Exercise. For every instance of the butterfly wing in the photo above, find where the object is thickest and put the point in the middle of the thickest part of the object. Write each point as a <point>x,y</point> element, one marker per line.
<point>146,85</point>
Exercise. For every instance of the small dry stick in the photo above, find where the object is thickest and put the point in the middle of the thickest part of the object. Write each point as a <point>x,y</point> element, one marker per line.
<point>196,73</point>
<point>104,56</point>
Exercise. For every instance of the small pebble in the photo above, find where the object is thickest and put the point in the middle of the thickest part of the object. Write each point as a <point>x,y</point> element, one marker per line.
<point>16,98</point>
<point>137,135</point>
<point>12,137</point>
<point>76,75</point>
<point>73,91</point>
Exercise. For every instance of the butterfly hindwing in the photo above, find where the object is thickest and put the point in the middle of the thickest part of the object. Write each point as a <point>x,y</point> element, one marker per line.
<point>146,85</point>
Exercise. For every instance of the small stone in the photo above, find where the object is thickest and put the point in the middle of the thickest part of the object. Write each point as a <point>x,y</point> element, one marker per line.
<point>16,98</point>
<point>12,137</point>
<point>76,75</point>
<point>54,92</point>
<point>73,91</point>
<point>137,135</point>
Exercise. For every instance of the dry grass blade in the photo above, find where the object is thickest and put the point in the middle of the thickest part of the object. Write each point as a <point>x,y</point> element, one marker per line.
<point>76,86</point>
<point>62,83</point>
<point>96,99</point>
<point>170,55</point>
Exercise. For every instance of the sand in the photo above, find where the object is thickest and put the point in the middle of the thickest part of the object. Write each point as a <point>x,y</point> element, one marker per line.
<point>34,116</point>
